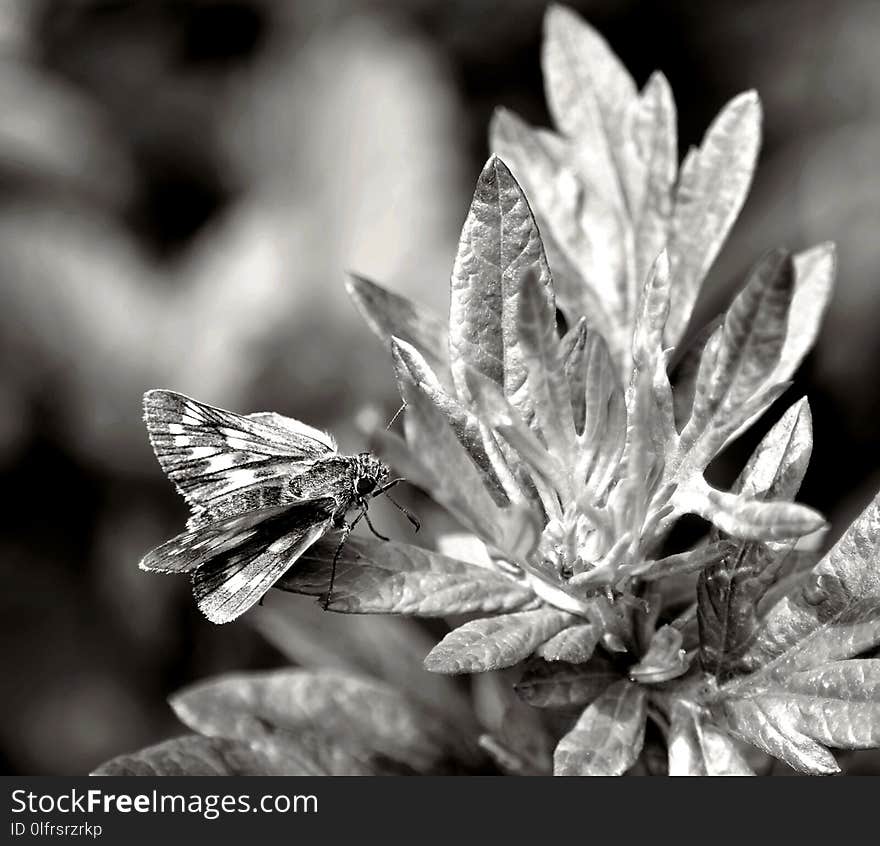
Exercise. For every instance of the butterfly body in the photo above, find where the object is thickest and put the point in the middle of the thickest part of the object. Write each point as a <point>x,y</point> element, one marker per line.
<point>262,488</point>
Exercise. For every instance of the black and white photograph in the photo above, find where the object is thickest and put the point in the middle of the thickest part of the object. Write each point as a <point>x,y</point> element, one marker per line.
<point>406,388</point>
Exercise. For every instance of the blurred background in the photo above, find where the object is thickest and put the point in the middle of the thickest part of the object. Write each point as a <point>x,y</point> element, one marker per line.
<point>184,185</point>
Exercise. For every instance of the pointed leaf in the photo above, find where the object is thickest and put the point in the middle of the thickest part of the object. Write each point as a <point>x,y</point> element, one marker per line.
<point>609,735</point>
<point>479,444</point>
<point>739,363</point>
<point>459,486</point>
<point>814,271</point>
<point>561,684</point>
<point>772,733</point>
<point>588,92</point>
<point>493,643</point>
<point>499,241</point>
<point>385,577</point>
<point>712,187</point>
<point>390,315</point>
<point>193,755</point>
<point>698,748</point>
<point>578,232</point>
<point>745,517</point>
<point>547,384</point>
<point>655,133</point>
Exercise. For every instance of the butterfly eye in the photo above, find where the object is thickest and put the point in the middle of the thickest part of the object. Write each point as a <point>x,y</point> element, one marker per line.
<point>365,484</point>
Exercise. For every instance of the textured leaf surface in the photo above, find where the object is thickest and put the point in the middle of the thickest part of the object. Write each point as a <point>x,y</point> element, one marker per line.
<point>712,188</point>
<point>369,722</point>
<point>559,684</point>
<point>545,368</point>
<point>698,748</point>
<point>386,577</point>
<point>608,737</point>
<point>574,644</point>
<point>822,613</point>
<point>729,592</point>
<point>193,755</point>
<point>493,643</point>
<point>655,135</point>
<point>499,241</point>
<point>736,365</point>
<point>794,716</point>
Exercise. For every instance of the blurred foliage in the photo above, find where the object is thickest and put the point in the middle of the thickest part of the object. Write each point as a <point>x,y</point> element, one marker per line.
<point>185,184</point>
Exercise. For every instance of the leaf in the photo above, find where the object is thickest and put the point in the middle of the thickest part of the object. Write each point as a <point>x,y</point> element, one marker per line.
<point>390,315</point>
<point>609,735</point>
<point>478,443</point>
<point>547,384</point>
<point>499,241</point>
<point>459,486</point>
<point>655,135</point>
<point>794,716</point>
<point>698,748</point>
<point>193,755</point>
<point>746,517</point>
<point>371,724</point>
<point>493,643</point>
<point>814,271</point>
<point>576,230</point>
<point>729,592</point>
<point>588,92</point>
<point>560,684</point>
<point>664,659</point>
<point>824,607</point>
<point>533,467</point>
<point>686,369</point>
<point>737,365</point>
<point>603,437</point>
<point>712,188</point>
<point>779,463</point>
<point>386,577</point>
<point>574,644</point>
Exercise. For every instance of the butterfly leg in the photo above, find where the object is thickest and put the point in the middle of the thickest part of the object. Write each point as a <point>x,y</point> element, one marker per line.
<point>372,527</point>
<point>346,531</point>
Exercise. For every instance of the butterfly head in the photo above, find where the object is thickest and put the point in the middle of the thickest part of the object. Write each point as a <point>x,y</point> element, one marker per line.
<point>371,474</point>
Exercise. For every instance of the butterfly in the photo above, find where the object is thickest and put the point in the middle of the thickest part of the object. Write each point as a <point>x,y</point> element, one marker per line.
<point>262,488</point>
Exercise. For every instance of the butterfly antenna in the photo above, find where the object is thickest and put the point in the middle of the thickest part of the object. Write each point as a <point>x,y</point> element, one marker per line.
<point>406,513</point>
<point>396,415</point>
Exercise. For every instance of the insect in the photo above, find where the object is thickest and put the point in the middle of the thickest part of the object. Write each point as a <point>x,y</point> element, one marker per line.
<point>262,488</point>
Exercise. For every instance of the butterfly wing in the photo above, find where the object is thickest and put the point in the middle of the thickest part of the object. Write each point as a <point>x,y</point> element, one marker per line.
<point>214,456</point>
<point>234,561</point>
